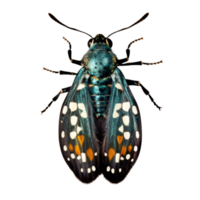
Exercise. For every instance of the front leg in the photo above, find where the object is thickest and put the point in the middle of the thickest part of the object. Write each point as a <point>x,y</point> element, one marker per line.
<point>55,98</point>
<point>146,92</point>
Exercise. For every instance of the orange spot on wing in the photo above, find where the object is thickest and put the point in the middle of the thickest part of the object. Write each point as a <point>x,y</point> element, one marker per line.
<point>111,153</point>
<point>77,150</point>
<point>80,139</point>
<point>123,151</point>
<point>119,139</point>
<point>130,148</point>
<point>90,154</point>
<point>71,147</point>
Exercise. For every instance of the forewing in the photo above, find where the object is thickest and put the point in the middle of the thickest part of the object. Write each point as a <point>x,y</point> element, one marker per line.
<point>77,131</point>
<point>124,132</point>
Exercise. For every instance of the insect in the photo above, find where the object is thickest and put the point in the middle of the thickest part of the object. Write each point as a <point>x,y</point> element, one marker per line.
<point>100,125</point>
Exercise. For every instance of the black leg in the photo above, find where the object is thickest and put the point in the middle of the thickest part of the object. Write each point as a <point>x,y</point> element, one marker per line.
<point>124,62</point>
<point>55,98</point>
<point>59,72</point>
<point>146,92</point>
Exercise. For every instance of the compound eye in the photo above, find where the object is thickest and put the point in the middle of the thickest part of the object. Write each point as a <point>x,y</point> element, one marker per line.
<point>111,42</point>
<point>89,42</point>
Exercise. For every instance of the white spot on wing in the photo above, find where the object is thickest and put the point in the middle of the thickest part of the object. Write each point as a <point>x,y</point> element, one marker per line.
<point>83,157</point>
<point>126,106</point>
<point>127,135</point>
<point>93,168</point>
<point>63,134</point>
<point>121,128</point>
<point>82,170</point>
<point>126,120</point>
<point>134,109</point>
<point>73,135</point>
<point>64,111</point>
<point>137,134</point>
<point>120,169</point>
<point>78,157</point>
<point>132,160</point>
<point>87,76</point>
<point>117,156</point>
<point>73,106</point>
<point>81,86</point>
<point>95,153</point>
<point>65,148</point>
<point>68,159</point>
<point>122,158</point>
<point>112,170</point>
<point>117,107</point>
<point>72,155</point>
<point>73,120</point>
<point>135,148</point>
<point>108,169</point>
<point>105,154</point>
<point>118,86</point>
<point>78,129</point>
<point>128,156</point>
<point>82,107</point>
<point>88,170</point>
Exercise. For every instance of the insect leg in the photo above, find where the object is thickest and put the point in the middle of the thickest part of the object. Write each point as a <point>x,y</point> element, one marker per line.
<point>59,72</point>
<point>55,98</point>
<point>146,92</point>
<point>126,61</point>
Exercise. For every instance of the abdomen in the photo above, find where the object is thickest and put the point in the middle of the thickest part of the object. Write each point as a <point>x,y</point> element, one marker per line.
<point>100,90</point>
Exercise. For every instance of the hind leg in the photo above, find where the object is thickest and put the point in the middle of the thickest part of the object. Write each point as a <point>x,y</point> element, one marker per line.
<point>55,98</point>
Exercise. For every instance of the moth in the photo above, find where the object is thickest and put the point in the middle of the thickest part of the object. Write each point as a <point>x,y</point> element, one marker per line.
<point>100,125</point>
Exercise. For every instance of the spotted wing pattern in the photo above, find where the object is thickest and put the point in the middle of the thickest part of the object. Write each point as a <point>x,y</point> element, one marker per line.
<point>123,139</point>
<point>77,131</point>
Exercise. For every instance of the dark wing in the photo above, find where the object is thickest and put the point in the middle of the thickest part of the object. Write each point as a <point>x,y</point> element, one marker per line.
<point>77,131</point>
<point>124,131</point>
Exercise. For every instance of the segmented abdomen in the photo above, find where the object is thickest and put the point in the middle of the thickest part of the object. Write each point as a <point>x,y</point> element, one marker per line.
<point>100,90</point>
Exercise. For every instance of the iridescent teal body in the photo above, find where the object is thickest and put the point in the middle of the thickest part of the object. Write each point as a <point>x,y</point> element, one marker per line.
<point>100,63</point>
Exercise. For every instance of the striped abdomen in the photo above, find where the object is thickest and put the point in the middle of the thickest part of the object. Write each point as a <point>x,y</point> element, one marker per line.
<point>100,90</point>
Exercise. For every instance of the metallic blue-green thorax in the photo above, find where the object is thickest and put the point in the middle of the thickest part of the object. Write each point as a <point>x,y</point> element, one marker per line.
<point>100,63</point>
